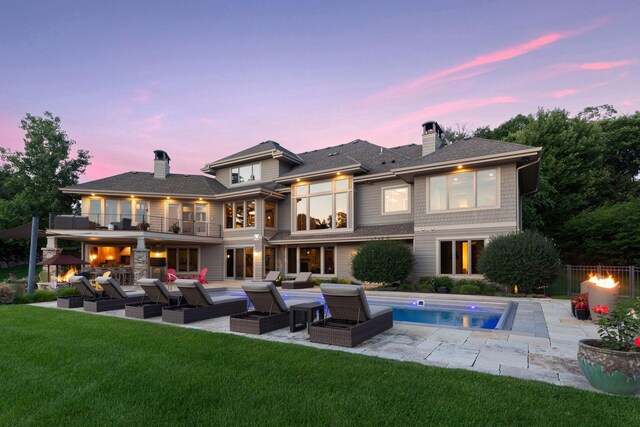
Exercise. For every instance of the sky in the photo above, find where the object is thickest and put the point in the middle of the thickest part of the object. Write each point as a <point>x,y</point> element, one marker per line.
<point>204,79</point>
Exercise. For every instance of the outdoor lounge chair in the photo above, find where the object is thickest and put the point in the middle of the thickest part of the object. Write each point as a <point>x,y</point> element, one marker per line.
<point>301,281</point>
<point>84,290</point>
<point>200,304</point>
<point>270,311</point>
<point>113,297</point>
<point>352,319</point>
<point>158,298</point>
<point>272,276</point>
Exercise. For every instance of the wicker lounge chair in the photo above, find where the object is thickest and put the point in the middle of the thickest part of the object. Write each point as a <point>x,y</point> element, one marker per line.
<point>352,319</point>
<point>159,297</point>
<point>200,304</point>
<point>84,289</point>
<point>270,311</point>
<point>301,281</point>
<point>272,276</point>
<point>113,297</point>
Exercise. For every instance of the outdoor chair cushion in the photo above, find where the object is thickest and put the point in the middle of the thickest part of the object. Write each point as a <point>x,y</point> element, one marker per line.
<point>113,290</point>
<point>193,292</point>
<point>266,287</point>
<point>83,286</point>
<point>156,291</point>
<point>348,291</point>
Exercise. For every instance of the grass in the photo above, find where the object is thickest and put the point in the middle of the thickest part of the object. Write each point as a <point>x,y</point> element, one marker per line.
<point>69,368</point>
<point>21,272</point>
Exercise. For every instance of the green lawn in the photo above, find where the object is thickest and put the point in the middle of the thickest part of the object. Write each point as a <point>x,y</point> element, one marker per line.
<point>68,368</point>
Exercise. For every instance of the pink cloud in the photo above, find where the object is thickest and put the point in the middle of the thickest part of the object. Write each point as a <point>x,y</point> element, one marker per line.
<point>480,61</point>
<point>438,110</point>
<point>563,93</point>
<point>144,94</point>
<point>597,66</point>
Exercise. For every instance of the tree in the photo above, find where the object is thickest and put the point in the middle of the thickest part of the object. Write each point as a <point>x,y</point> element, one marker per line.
<point>461,131</point>
<point>33,177</point>
<point>524,259</point>
<point>382,261</point>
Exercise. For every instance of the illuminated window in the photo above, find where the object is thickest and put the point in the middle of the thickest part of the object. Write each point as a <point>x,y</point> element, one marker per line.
<point>395,199</point>
<point>477,189</point>
<point>245,173</point>
<point>240,214</point>
<point>460,256</point>
<point>322,205</point>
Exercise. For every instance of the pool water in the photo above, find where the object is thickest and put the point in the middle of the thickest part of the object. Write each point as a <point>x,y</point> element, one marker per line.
<point>454,314</point>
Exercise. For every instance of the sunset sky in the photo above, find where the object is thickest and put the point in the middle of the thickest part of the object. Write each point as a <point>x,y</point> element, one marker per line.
<point>204,79</point>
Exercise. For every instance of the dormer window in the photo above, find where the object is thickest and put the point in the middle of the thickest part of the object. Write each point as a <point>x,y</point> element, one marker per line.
<point>245,173</point>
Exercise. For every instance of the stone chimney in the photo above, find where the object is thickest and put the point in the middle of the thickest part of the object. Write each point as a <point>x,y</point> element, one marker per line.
<point>161,164</point>
<point>432,138</point>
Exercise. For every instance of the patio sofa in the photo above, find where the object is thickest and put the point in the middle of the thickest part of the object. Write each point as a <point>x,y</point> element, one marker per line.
<point>300,282</point>
<point>158,298</point>
<point>200,304</point>
<point>270,310</point>
<point>352,319</point>
<point>113,297</point>
<point>85,291</point>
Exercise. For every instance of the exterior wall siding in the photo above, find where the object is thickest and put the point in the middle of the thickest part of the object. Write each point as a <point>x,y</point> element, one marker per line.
<point>425,244</point>
<point>368,204</point>
<point>212,258</point>
<point>284,214</point>
<point>507,211</point>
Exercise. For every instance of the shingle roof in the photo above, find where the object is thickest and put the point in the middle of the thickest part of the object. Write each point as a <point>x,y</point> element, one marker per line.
<point>373,158</point>
<point>271,186</point>
<point>259,148</point>
<point>359,233</point>
<point>466,149</point>
<point>144,182</point>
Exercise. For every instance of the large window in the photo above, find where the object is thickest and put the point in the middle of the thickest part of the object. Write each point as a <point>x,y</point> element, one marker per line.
<point>395,199</point>
<point>183,259</point>
<point>269,214</point>
<point>245,173</point>
<point>105,211</point>
<point>322,205</point>
<point>460,256</point>
<point>240,214</point>
<point>316,260</point>
<point>477,189</point>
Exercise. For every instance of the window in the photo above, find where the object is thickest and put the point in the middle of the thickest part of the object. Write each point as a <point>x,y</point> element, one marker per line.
<point>322,205</point>
<point>316,260</point>
<point>395,200</point>
<point>477,189</point>
<point>460,256</point>
<point>269,214</point>
<point>125,209</point>
<point>245,173</point>
<point>183,259</point>
<point>95,210</point>
<point>234,215</point>
<point>111,211</point>
<point>142,210</point>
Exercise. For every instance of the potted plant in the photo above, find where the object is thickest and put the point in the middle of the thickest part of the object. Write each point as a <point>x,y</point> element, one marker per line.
<point>612,363</point>
<point>175,228</point>
<point>581,302</point>
<point>144,226</point>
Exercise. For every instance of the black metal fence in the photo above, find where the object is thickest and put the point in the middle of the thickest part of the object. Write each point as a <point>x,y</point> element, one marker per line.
<point>130,222</point>
<point>570,277</point>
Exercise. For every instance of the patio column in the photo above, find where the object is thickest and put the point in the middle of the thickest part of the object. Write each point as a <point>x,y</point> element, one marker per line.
<point>50,251</point>
<point>140,261</point>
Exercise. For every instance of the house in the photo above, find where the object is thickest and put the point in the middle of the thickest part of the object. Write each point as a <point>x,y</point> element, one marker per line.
<point>267,208</point>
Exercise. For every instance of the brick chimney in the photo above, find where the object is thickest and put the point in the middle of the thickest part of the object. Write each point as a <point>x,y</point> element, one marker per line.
<point>432,138</point>
<point>161,164</point>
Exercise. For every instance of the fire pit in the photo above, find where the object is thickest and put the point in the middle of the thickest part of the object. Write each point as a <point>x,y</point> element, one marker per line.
<point>602,291</point>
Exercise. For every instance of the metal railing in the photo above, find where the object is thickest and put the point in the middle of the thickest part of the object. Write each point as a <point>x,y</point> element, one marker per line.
<point>134,222</point>
<point>570,277</point>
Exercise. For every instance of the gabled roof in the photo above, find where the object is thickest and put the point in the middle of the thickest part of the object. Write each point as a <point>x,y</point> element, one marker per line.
<point>265,149</point>
<point>145,183</point>
<point>469,148</point>
<point>370,158</point>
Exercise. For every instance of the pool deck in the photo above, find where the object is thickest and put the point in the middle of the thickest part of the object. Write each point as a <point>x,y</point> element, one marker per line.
<point>541,346</point>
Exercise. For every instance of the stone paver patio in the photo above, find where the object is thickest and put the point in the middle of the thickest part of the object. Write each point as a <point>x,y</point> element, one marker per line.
<point>542,352</point>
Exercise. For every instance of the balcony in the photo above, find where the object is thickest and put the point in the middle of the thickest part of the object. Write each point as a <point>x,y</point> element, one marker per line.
<point>149,223</point>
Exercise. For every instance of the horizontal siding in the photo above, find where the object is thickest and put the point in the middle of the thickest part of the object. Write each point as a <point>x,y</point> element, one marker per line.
<point>425,245</point>
<point>368,204</point>
<point>505,213</point>
<point>212,258</point>
<point>284,214</point>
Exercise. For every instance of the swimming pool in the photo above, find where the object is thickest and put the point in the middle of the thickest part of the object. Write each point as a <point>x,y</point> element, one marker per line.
<point>451,313</point>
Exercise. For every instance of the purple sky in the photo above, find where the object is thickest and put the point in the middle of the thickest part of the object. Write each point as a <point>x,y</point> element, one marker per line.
<point>203,79</point>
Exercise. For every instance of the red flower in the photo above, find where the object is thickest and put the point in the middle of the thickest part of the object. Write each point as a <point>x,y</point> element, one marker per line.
<point>582,306</point>
<point>605,309</point>
<point>637,341</point>
<point>598,309</point>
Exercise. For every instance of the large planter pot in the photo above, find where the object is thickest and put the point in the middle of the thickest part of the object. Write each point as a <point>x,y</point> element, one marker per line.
<point>582,314</point>
<point>616,372</point>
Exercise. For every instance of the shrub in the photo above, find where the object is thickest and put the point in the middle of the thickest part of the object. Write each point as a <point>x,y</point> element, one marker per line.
<point>40,295</point>
<point>382,261</point>
<point>524,259</point>
<point>7,295</point>
<point>432,283</point>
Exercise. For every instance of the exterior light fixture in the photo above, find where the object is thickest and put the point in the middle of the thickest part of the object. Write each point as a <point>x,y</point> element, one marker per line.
<point>256,236</point>
<point>168,198</point>
<point>132,196</point>
<point>459,166</point>
<point>297,179</point>
<point>93,194</point>
<point>200,198</point>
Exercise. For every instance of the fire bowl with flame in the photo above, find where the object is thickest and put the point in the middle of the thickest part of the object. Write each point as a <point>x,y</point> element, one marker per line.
<point>602,291</point>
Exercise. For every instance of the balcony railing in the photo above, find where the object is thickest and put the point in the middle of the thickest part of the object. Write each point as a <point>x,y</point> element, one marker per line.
<point>137,222</point>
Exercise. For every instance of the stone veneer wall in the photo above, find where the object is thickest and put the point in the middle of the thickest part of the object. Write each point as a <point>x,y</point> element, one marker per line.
<point>50,253</point>
<point>140,264</point>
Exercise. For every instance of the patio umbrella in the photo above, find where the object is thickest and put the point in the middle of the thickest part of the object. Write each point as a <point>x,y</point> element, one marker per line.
<point>61,259</point>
